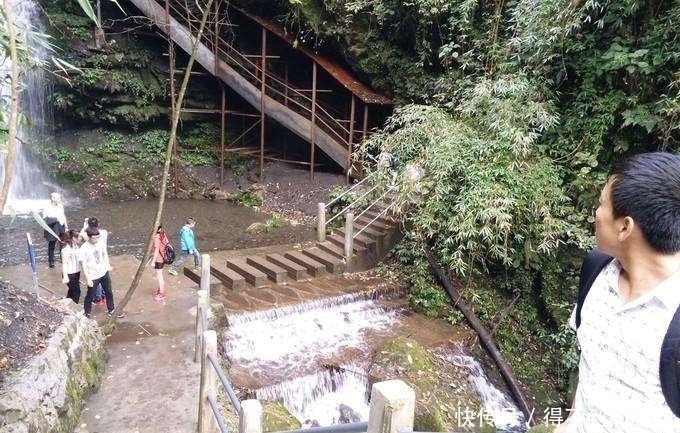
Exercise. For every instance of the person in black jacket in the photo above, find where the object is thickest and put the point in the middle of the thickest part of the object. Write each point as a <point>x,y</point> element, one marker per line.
<point>54,216</point>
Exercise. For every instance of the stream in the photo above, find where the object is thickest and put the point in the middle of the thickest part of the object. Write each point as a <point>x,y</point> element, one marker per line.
<point>315,359</point>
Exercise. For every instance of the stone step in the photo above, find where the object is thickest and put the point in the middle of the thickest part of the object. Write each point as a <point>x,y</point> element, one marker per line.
<point>370,231</point>
<point>339,239</point>
<point>334,265</point>
<point>361,240</point>
<point>331,248</point>
<point>252,275</point>
<point>295,271</point>
<point>313,267</point>
<point>379,225</point>
<point>229,278</point>
<point>384,218</point>
<point>273,271</point>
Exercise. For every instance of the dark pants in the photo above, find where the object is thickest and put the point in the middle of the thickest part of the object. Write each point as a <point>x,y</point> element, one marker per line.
<point>51,246</point>
<point>74,287</point>
<point>108,294</point>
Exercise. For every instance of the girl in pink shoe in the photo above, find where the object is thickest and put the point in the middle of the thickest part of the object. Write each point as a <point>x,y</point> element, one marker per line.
<point>160,241</point>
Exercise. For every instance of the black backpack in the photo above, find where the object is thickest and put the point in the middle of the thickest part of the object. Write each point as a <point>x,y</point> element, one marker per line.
<point>168,254</point>
<point>669,364</point>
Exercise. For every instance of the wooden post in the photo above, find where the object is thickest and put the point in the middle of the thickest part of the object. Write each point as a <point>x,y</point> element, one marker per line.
<point>321,223</point>
<point>223,125</point>
<point>202,306</point>
<point>349,236</point>
<point>365,121</point>
<point>206,419</point>
<point>350,141</point>
<point>313,129</point>
<point>392,408</point>
<point>250,418</point>
<point>263,90</point>
<point>205,273</point>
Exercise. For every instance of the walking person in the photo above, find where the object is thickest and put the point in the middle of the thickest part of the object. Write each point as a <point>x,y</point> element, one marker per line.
<point>187,243</point>
<point>94,261</point>
<point>70,265</point>
<point>623,320</point>
<point>54,216</point>
<point>98,297</point>
<point>160,242</point>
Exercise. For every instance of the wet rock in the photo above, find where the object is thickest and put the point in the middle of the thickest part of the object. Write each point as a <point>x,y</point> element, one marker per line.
<point>347,414</point>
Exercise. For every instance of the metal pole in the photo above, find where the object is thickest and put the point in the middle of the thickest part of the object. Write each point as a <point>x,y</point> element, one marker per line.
<point>32,261</point>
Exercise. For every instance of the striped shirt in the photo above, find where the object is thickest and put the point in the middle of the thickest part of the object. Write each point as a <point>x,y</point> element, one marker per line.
<point>619,390</point>
<point>69,260</point>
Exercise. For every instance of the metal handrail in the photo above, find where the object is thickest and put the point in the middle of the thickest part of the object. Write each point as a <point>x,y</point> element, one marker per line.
<point>352,427</point>
<point>349,206</point>
<point>389,190</point>
<point>225,383</point>
<point>384,211</point>
<point>347,191</point>
<point>217,414</point>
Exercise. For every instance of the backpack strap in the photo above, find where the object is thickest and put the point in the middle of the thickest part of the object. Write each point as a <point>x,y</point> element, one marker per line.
<point>592,265</point>
<point>669,364</point>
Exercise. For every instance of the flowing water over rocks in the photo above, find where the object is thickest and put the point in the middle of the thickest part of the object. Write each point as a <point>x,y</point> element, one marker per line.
<point>315,358</point>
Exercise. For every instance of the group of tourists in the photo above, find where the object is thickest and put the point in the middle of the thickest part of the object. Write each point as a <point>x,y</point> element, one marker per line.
<point>86,252</point>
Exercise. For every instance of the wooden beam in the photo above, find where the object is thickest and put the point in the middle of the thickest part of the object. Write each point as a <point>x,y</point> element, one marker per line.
<point>313,129</point>
<point>262,94</point>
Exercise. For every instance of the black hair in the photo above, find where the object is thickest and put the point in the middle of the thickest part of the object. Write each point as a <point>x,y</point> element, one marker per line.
<point>160,227</point>
<point>67,237</point>
<point>646,187</point>
<point>190,220</point>
<point>93,222</point>
<point>92,231</point>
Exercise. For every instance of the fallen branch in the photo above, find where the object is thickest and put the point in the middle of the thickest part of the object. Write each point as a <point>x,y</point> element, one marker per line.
<point>485,337</point>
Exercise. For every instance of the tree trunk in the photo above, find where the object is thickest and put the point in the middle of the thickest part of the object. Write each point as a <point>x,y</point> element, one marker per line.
<point>166,169</point>
<point>485,337</point>
<point>15,88</point>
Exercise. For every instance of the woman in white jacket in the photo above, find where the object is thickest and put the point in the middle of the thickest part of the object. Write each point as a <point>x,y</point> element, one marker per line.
<point>70,265</point>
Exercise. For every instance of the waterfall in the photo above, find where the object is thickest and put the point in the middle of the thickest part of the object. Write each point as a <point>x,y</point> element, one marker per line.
<point>29,182</point>
<point>313,358</point>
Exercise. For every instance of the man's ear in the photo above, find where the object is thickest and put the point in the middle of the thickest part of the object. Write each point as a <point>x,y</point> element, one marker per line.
<point>626,228</point>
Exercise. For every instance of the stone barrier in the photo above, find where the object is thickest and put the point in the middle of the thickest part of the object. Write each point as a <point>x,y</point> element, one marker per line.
<point>48,394</point>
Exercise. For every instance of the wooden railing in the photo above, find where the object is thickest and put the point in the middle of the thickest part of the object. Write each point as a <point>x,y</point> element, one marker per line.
<point>275,87</point>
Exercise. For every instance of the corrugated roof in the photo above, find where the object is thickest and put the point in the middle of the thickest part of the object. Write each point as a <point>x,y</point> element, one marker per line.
<point>342,75</point>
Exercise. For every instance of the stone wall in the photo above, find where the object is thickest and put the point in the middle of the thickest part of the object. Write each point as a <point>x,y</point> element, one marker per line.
<point>48,394</point>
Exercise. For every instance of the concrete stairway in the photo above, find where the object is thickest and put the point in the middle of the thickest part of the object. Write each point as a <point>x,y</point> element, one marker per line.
<point>268,269</point>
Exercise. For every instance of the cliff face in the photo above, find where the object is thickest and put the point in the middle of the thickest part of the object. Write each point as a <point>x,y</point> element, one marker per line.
<point>123,78</point>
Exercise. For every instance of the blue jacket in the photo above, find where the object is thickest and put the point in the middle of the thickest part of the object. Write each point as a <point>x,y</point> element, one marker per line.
<point>187,240</point>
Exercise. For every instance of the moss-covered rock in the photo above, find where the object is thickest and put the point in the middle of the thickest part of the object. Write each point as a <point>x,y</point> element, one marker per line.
<point>275,417</point>
<point>443,392</point>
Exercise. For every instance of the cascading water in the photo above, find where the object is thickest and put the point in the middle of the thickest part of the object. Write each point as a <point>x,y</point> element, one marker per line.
<point>313,358</point>
<point>506,416</point>
<point>29,184</point>
<point>293,349</point>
